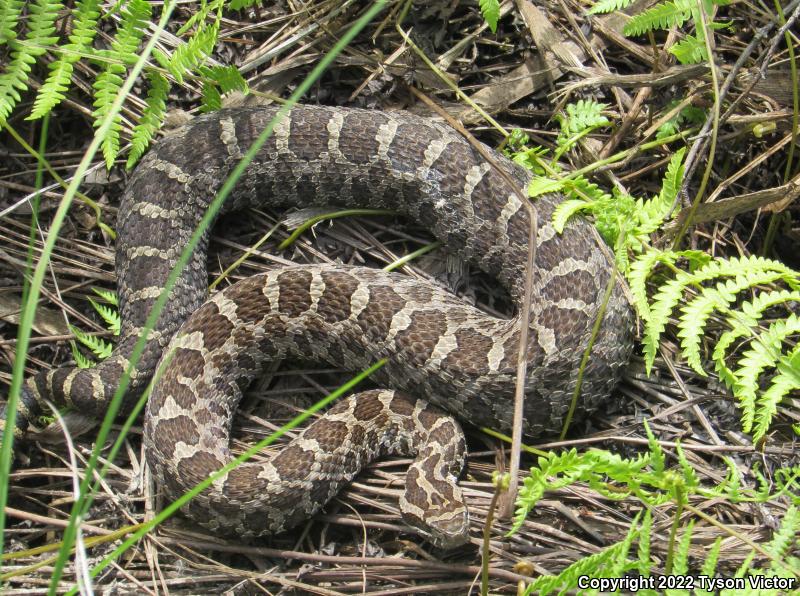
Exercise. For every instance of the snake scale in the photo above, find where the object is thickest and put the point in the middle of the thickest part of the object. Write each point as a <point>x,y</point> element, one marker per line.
<point>456,358</point>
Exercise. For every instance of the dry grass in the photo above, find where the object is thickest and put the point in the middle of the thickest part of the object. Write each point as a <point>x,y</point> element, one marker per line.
<point>357,545</point>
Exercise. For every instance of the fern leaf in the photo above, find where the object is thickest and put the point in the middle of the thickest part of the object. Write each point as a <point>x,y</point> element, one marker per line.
<point>585,114</point>
<point>101,348</point>
<point>106,87</point>
<point>619,564</point>
<point>565,210</point>
<point>643,266</point>
<point>52,91</point>
<point>656,453</point>
<point>242,4</point>
<point>743,324</point>
<point>581,188</point>
<point>490,9</point>
<point>152,116</point>
<point>107,295</point>
<point>690,479</point>
<point>194,52</point>
<point>785,538</point>
<point>664,301</point>
<point>670,293</point>
<point>9,16</point>
<point>695,313</point>
<point>81,361</point>
<point>84,28</point>
<point>199,16</point>
<point>643,562</point>
<point>109,315</point>
<point>787,379</point>
<point>227,78</point>
<point>690,50</point>
<point>108,83</point>
<point>764,351</point>
<point>652,213</point>
<point>680,563</point>
<point>709,567</point>
<point>661,16</point>
<point>41,26</point>
<point>211,97</point>
<point>591,566</point>
<point>604,6</point>
<point>637,276</point>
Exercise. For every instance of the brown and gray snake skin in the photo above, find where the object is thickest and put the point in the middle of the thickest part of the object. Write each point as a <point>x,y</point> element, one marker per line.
<point>438,348</point>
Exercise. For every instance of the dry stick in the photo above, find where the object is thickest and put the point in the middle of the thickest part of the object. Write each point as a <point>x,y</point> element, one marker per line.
<point>507,500</point>
<point>471,570</point>
<point>627,123</point>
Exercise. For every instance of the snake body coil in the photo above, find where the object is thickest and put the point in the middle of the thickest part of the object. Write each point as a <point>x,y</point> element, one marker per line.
<point>457,358</point>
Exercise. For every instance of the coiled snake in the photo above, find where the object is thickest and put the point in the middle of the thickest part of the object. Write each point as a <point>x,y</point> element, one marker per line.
<point>438,348</point>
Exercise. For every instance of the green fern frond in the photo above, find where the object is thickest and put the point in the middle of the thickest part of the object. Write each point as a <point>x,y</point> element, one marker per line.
<point>593,566</point>
<point>106,86</point>
<point>583,115</point>
<point>100,347</point>
<point>604,6</point>
<point>227,78</point>
<point>690,479</point>
<point>595,201</point>
<point>54,88</point>
<point>644,265</point>
<point>81,361</point>
<point>582,188</point>
<point>242,4</point>
<point>84,28</point>
<point>619,564</point>
<point>690,50</point>
<point>664,301</point>
<point>542,185</point>
<point>107,295</point>
<point>490,9</point>
<point>709,566</point>
<point>764,352</point>
<point>531,159</point>
<point>637,275</point>
<point>199,16</point>
<point>695,313</point>
<point>670,293</point>
<point>743,324</point>
<point>786,380</point>
<point>680,562</point>
<point>784,539</point>
<point>152,116</point>
<point>661,16</point>
<point>566,209</point>
<point>643,562</point>
<point>41,26</point>
<point>189,55</point>
<point>9,18</point>
<point>689,114</point>
<point>109,315</point>
<point>657,460</point>
<point>651,214</point>
<point>787,481</point>
<point>211,98</point>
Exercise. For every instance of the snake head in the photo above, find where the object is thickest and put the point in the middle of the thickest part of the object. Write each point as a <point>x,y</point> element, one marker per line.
<point>445,527</point>
<point>434,504</point>
<point>26,407</point>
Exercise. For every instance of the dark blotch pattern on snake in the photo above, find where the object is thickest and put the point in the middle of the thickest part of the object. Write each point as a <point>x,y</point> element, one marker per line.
<point>458,359</point>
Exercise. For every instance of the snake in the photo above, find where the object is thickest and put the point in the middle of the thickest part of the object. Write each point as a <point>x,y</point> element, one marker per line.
<point>445,361</point>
